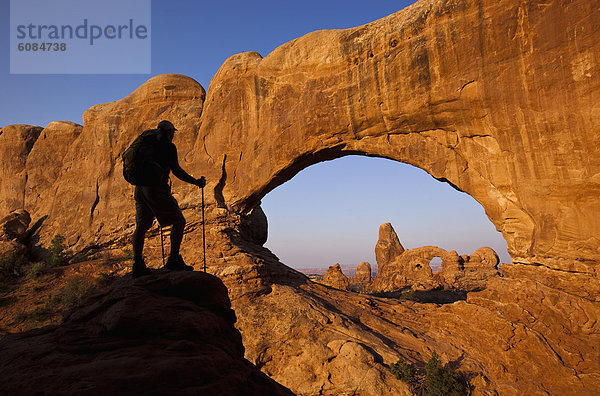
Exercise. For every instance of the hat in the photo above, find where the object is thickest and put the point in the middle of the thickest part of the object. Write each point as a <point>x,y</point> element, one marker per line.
<point>164,124</point>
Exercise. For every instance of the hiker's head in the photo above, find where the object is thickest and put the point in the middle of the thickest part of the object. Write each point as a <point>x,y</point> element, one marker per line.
<point>167,129</point>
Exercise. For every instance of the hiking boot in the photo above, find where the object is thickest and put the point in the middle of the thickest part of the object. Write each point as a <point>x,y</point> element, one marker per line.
<point>139,268</point>
<point>176,263</point>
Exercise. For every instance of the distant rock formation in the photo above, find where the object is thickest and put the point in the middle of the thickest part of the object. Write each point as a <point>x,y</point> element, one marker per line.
<point>388,246</point>
<point>167,333</point>
<point>470,272</point>
<point>412,267</point>
<point>362,277</point>
<point>334,277</point>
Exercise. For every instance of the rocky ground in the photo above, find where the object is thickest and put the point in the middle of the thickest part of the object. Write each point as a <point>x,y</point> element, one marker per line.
<point>165,333</point>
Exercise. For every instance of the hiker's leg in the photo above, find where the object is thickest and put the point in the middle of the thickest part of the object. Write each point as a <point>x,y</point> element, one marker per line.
<point>143,221</point>
<point>176,237</point>
<point>167,212</point>
<point>138,239</point>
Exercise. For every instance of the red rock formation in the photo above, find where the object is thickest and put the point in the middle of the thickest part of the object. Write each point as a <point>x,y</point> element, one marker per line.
<point>497,99</point>
<point>334,277</point>
<point>16,142</point>
<point>388,246</point>
<point>363,276</point>
<point>170,333</point>
<point>412,267</point>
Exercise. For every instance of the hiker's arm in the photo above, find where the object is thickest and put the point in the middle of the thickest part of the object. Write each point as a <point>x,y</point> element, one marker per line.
<point>182,175</point>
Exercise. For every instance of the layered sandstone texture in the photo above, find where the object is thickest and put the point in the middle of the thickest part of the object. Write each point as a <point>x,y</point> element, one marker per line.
<point>498,99</point>
<point>167,333</point>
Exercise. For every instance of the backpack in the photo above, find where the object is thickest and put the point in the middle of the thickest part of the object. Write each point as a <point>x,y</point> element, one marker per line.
<point>139,164</point>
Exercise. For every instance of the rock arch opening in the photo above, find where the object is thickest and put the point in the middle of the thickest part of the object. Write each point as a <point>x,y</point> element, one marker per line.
<point>435,264</point>
<point>330,211</point>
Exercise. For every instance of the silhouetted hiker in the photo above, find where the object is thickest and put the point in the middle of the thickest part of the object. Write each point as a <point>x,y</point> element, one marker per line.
<point>153,198</point>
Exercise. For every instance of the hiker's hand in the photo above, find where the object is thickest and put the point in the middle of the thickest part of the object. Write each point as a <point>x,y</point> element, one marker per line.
<point>201,182</point>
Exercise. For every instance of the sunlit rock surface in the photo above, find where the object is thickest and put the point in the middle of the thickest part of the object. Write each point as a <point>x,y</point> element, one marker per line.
<point>499,99</point>
<point>334,277</point>
<point>412,267</point>
<point>363,275</point>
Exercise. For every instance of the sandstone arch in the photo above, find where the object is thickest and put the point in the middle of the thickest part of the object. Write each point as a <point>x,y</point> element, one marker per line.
<point>418,87</point>
<point>444,91</point>
<point>498,99</point>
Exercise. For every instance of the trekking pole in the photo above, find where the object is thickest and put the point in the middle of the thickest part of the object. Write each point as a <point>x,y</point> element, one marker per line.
<point>203,231</point>
<point>162,244</point>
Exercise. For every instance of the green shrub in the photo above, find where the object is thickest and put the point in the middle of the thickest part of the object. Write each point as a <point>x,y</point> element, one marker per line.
<point>104,280</point>
<point>441,381</point>
<point>77,289</point>
<point>410,295</point>
<point>39,314</point>
<point>37,270</point>
<point>12,266</point>
<point>403,370</point>
<point>356,288</point>
<point>128,254</point>
<point>57,253</point>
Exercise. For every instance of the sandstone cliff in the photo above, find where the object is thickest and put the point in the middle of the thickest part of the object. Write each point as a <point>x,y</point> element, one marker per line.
<point>497,99</point>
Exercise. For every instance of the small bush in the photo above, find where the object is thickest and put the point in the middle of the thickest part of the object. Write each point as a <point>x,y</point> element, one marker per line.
<point>12,266</point>
<point>410,295</point>
<point>356,288</point>
<point>39,314</point>
<point>128,254</point>
<point>37,270</point>
<point>403,371</point>
<point>57,253</point>
<point>77,289</point>
<point>104,280</point>
<point>440,381</point>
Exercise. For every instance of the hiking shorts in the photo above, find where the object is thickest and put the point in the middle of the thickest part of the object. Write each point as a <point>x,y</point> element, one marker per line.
<point>156,202</point>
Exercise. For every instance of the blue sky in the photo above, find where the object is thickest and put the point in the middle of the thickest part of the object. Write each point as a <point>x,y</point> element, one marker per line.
<point>329,212</point>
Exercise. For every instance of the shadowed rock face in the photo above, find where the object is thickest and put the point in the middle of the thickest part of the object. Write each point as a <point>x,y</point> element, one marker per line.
<point>169,333</point>
<point>12,234</point>
<point>497,99</point>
